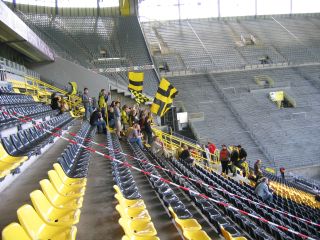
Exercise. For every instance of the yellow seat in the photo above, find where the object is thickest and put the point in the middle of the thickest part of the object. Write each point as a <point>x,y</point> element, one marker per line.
<point>117,189</point>
<point>139,228</point>
<point>185,224</point>
<point>63,189</point>
<point>57,200</point>
<point>67,180</point>
<point>130,203</point>
<point>133,213</point>
<point>140,238</point>
<point>196,235</point>
<point>38,229</point>
<point>52,215</point>
<point>188,224</point>
<point>14,231</point>
<point>228,236</point>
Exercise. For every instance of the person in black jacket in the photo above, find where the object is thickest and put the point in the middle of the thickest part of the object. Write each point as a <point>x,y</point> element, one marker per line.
<point>242,159</point>
<point>97,120</point>
<point>185,155</point>
<point>234,156</point>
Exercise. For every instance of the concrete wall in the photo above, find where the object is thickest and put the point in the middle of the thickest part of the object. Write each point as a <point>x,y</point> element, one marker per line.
<point>63,71</point>
<point>308,172</point>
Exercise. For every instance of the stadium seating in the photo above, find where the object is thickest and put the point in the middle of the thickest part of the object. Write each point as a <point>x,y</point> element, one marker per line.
<point>135,219</point>
<point>56,208</point>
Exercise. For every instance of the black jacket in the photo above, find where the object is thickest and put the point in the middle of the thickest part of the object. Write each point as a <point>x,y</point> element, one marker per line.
<point>234,156</point>
<point>185,154</point>
<point>242,153</point>
<point>95,117</point>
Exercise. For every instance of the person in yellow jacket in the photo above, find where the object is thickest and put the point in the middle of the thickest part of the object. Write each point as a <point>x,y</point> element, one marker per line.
<point>102,102</point>
<point>125,117</point>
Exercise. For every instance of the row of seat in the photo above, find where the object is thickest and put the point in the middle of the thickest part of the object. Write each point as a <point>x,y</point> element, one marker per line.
<point>17,148</point>
<point>56,207</point>
<point>189,226</point>
<point>74,159</point>
<point>12,99</point>
<point>12,117</point>
<point>256,228</point>
<point>134,219</point>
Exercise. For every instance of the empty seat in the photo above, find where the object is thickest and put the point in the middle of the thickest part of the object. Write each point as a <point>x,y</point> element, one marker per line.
<point>196,235</point>
<point>51,214</point>
<point>14,231</point>
<point>138,228</point>
<point>70,202</point>
<point>38,229</point>
<point>133,213</point>
<point>65,190</point>
<point>9,163</point>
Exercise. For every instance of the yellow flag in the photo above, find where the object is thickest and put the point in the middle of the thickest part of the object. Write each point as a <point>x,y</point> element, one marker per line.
<point>136,81</point>
<point>164,98</point>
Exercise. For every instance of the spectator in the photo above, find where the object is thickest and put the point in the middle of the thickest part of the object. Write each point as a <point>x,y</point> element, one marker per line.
<point>117,118</point>
<point>94,104</point>
<point>257,167</point>
<point>55,101</point>
<point>263,191</point>
<point>135,135</point>
<point>87,104</point>
<point>111,121</point>
<point>224,159</point>
<point>185,155</point>
<point>102,102</point>
<point>124,117</point>
<point>133,117</point>
<point>212,148</point>
<point>234,156</point>
<point>148,128</point>
<point>242,159</point>
<point>206,155</point>
<point>64,107</point>
<point>158,149</point>
<point>97,120</point>
<point>282,171</point>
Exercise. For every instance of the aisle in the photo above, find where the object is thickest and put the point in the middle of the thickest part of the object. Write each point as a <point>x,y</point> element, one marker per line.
<point>160,218</point>
<point>99,219</point>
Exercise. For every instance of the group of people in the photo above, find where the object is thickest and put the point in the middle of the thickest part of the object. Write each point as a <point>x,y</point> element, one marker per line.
<point>134,122</point>
<point>233,158</point>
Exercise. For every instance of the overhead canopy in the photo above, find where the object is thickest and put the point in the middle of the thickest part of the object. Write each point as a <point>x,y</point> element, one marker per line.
<point>16,34</point>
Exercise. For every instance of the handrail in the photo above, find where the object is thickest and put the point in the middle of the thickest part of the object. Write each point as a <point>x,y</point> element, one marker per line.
<point>175,142</point>
<point>44,90</point>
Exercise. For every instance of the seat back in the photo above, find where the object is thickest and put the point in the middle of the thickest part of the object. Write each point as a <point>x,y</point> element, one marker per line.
<point>8,146</point>
<point>16,141</point>
<point>30,220</point>
<point>49,190</point>
<point>14,231</point>
<point>29,136</point>
<point>23,138</point>
<point>57,167</point>
<point>41,203</point>
<point>55,180</point>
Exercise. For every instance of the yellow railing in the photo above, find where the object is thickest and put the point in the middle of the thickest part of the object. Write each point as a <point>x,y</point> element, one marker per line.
<point>173,143</point>
<point>42,91</point>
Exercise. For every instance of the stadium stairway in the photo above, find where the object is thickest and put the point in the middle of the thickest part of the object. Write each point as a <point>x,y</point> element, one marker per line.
<point>99,219</point>
<point>159,215</point>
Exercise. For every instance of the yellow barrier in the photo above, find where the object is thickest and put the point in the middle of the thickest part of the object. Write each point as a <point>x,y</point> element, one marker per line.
<point>42,91</point>
<point>174,143</point>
